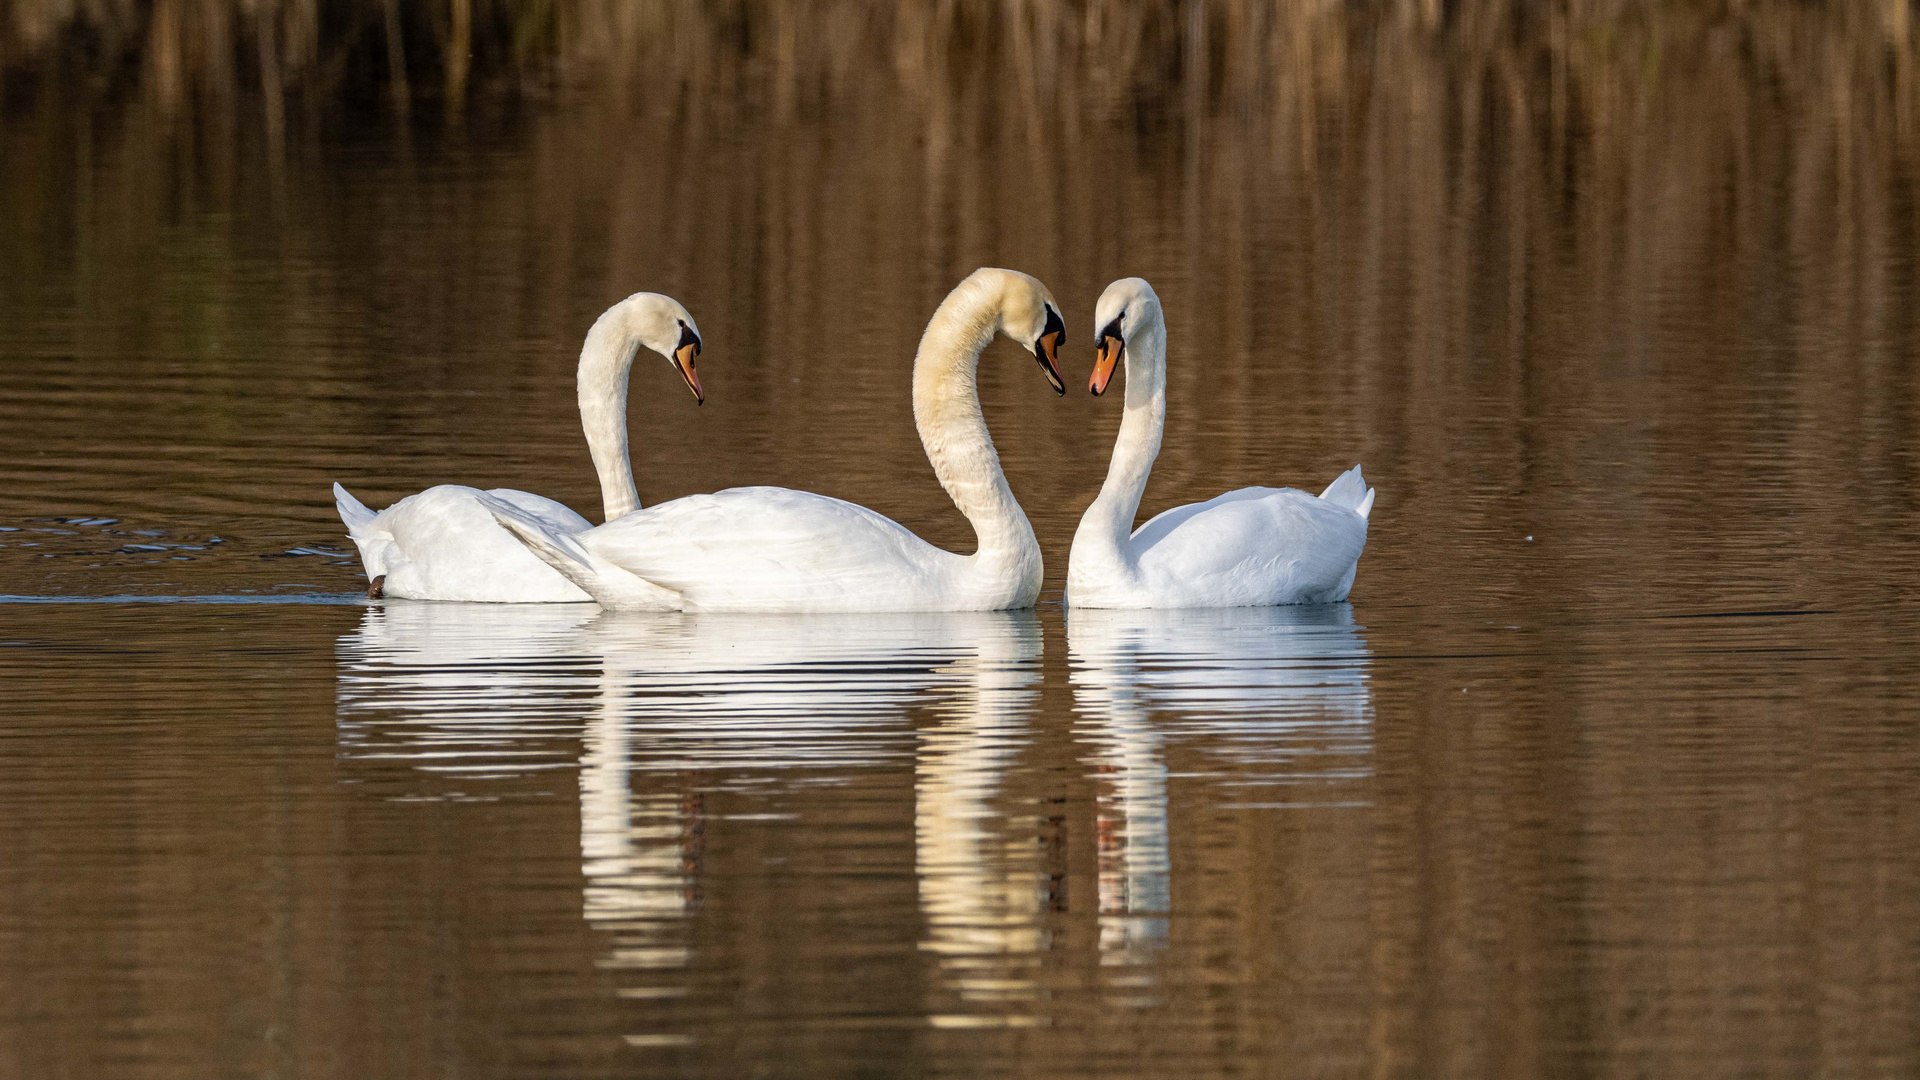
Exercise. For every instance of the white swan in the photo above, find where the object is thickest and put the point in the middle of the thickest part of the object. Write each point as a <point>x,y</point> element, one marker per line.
<point>774,549</point>
<point>442,544</point>
<point>1248,548</point>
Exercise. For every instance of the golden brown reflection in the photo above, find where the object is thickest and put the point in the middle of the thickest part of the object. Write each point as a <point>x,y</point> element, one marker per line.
<point>640,854</point>
<point>469,690</point>
<point>982,886</point>
<point>1279,695</point>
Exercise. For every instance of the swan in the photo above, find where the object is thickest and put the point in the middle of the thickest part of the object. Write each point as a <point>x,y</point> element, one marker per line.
<point>1248,548</point>
<point>774,549</point>
<point>442,544</point>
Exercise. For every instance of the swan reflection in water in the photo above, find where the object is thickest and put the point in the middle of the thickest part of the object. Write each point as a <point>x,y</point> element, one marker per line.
<point>983,886</point>
<point>475,692</point>
<point>1279,694</point>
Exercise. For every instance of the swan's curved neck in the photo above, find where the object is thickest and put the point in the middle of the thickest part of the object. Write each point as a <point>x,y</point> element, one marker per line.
<point>946,409</point>
<point>605,362</point>
<point>1108,523</point>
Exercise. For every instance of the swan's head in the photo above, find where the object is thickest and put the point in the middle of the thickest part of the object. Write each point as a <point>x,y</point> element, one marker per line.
<point>1031,316</point>
<point>1128,305</point>
<point>660,323</point>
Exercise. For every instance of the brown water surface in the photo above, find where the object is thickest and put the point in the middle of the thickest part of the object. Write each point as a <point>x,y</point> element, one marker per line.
<point>1608,769</point>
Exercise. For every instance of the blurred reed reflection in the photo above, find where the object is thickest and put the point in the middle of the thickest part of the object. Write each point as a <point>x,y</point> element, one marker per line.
<point>1282,693</point>
<point>1558,253</point>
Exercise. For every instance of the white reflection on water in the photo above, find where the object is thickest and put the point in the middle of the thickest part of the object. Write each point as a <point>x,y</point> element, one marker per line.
<point>982,885</point>
<point>473,692</point>
<point>1281,692</point>
<point>493,688</point>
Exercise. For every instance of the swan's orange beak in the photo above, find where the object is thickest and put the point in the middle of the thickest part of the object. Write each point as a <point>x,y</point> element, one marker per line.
<point>1103,364</point>
<point>683,359</point>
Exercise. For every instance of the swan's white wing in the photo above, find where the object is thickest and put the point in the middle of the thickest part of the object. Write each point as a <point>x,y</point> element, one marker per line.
<point>556,516</point>
<point>1254,546</point>
<point>774,549</point>
<point>444,545</point>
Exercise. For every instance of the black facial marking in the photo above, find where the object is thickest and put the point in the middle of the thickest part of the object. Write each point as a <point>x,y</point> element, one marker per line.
<point>1055,326</point>
<point>1113,330</point>
<point>687,337</point>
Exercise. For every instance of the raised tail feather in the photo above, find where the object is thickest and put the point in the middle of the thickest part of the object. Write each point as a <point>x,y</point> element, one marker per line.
<point>353,513</point>
<point>375,544</point>
<point>1350,490</point>
<point>609,585</point>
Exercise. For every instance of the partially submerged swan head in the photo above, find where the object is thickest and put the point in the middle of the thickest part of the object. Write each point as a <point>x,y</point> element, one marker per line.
<point>660,323</point>
<point>1127,306</point>
<point>1027,313</point>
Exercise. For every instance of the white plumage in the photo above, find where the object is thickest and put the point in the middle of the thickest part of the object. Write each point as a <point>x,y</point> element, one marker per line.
<point>1252,547</point>
<point>774,549</point>
<point>443,544</point>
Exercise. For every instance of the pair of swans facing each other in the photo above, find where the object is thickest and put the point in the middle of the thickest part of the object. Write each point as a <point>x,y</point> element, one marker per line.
<point>774,549</point>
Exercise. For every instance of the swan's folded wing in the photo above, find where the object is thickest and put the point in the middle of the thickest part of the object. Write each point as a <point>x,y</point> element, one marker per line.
<point>775,549</point>
<point>557,516</point>
<point>1253,546</point>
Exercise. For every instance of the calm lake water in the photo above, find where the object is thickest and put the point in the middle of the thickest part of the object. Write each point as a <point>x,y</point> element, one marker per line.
<point>1610,768</point>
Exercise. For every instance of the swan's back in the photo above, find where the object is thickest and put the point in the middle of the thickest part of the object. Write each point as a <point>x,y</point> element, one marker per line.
<point>442,544</point>
<point>775,549</point>
<point>1251,547</point>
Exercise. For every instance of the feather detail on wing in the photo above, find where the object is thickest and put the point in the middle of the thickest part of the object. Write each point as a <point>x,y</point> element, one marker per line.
<point>556,515</point>
<point>565,551</point>
<point>1253,546</point>
<point>773,549</point>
